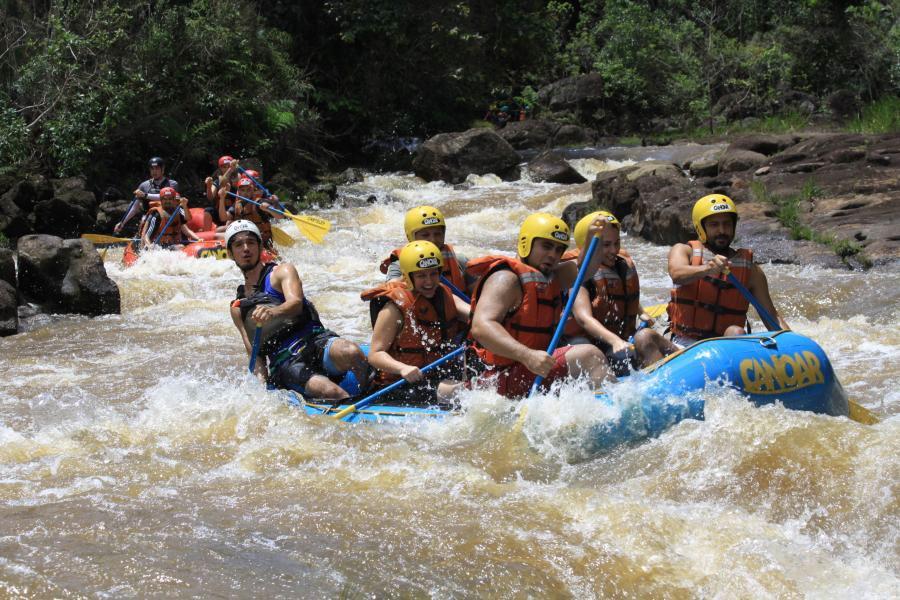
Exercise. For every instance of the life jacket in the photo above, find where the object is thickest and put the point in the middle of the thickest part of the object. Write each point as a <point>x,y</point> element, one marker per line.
<point>281,333</point>
<point>255,215</point>
<point>172,233</point>
<point>452,270</point>
<point>534,321</point>
<point>615,294</point>
<point>706,307</point>
<point>153,188</point>
<point>429,326</point>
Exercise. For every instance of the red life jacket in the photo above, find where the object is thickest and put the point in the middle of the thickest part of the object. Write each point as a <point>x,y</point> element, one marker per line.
<point>429,326</point>
<point>708,306</point>
<point>254,214</point>
<point>452,270</point>
<point>615,294</point>
<point>534,321</point>
<point>172,233</point>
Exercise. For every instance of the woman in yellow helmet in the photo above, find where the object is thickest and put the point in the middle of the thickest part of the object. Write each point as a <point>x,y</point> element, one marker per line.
<point>608,305</point>
<point>427,223</point>
<point>415,321</point>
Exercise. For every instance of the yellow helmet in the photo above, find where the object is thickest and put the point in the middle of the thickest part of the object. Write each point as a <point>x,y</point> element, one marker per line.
<point>541,225</point>
<point>421,217</point>
<point>581,228</point>
<point>419,256</point>
<point>713,204</point>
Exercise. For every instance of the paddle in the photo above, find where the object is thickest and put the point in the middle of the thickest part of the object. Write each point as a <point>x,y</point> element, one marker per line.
<point>657,310</point>
<point>313,228</point>
<point>282,237</point>
<point>369,399</point>
<point>260,186</point>
<point>456,290</point>
<point>257,338</point>
<point>568,309</point>
<point>857,412</point>
<point>98,238</point>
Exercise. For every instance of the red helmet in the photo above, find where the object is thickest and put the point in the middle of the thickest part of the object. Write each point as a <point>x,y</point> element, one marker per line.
<point>245,181</point>
<point>223,161</point>
<point>168,193</point>
<point>252,173</point>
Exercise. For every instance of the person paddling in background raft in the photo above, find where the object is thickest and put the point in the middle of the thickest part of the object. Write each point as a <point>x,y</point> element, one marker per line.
<point>297,351</point>
<point>415,321</point>
<point>259,216</point>
<point>517,304</point>
<point>160,215</point>
<point>427,223</point>
<point>148,191</point>
<point>704,304</point>
<point>220,187</point>
<point>608,305</point>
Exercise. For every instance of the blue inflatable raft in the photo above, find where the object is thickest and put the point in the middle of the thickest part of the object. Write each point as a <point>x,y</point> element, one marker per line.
<point>767,367</point>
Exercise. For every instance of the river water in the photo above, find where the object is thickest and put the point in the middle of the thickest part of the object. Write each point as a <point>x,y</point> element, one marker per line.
<point>139,460</point>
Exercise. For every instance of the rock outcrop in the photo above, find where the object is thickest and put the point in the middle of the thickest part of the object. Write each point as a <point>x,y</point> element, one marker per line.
<point>451,157</point>
<point>551,167</point>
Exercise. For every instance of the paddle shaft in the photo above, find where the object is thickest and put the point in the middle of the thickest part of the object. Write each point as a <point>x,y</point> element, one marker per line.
<point>397,384</point>
<point>258,184</point>
<point>456,290</point>
<point>568,309</point>
<point>280,212</point>
<point>257,338</point>
<point>770,322</point>
<point>127,212</point>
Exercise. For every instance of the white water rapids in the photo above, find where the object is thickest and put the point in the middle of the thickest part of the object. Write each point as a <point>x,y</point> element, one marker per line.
<point>138,459</point>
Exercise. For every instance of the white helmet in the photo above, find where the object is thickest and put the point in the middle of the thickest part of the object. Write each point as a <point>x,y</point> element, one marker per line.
<point>240,227</point>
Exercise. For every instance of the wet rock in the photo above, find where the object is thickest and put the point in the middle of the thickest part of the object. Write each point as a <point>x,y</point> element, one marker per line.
<point>61,218</point>
<point>704,168</point>
<point>764,143</point>
<point>878,159</point>
<point>846,155</point>
<point>807,167</point>
<point>9,311</point>
<point>110,212</point>
<point>7,266</point>
<point>740,160</point>
<point>574,135</point>
<point>574,93</point>
<point>453,156</point>
<point>65,276</point>
<point>762,171</point>
<point>551,167</point>
<point>532,133</point>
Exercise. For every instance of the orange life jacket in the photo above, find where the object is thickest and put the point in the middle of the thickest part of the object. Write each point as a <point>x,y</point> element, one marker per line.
<point>254,214</point>
<point>615,294</point>
<point>452,270</point>
<point>429,326</point>
<point>534,321</point>
<point>706,307</point>
<point>172,233</point>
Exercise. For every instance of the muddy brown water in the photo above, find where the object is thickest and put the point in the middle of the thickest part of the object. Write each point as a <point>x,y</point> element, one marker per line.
<point>139,461</point>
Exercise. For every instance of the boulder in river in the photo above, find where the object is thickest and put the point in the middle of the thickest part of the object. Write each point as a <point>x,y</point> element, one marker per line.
<point>451,157</point>
<point>551,167</point>
<point>65,276</point>
<point>9,310</point>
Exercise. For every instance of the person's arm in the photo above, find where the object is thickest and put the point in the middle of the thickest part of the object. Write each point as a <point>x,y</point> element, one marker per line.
<point>134,209</point>
<point>567,270</point>
<point>261,368</point>
<point>500,293</point>
<point>286,280</point>
<point>759,287</point>
<point>682,271</point>
<point>393,271</point>
<point>147,236</point>
<point>187,232</point>
<point>584,316</point>
<point>223,195</point>
<point>462,308</point>
<point>384,332</point>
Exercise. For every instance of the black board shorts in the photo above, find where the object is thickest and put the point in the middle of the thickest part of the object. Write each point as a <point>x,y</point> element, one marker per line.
<point>309,359</point>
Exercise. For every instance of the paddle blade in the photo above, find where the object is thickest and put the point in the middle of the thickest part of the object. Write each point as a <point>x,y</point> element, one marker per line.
<point>97,238</point>
<point>861,414</point>
<point>657,310</point>
<point>314,228</point>
<point>282,237</point>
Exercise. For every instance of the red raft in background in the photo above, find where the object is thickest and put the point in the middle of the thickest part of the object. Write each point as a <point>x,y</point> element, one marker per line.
<point>209,246</point>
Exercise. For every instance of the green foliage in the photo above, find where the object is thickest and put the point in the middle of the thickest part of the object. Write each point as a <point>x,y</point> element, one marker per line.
<point>881,116</point>
<point>788,211</point>
<point>4,241</point>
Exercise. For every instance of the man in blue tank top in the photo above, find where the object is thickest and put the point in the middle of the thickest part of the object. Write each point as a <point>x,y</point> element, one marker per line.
<point>297,352</point>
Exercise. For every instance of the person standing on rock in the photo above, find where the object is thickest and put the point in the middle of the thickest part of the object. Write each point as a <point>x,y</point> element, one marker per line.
<point>608,304</point>
<point>517,304</point>
<point>704,304</point>
<point>296,351</point>
<point>426,223</point>
<point>148,191</point>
